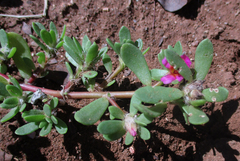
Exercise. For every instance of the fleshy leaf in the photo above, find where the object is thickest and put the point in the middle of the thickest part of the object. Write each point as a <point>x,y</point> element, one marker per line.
<point>33,115</point>
<point>144,133</point>
<point>107,63</point>
<point>90,74</point>
<point>37,27</point>
<point>110,126</point>
<point>42,124</point>
<point>134,60</point>
<point>92,53</point>
<point>134,100</point>
<point>3,91</point>
<point>116,112</point>
<point>27,128</point>
<point>14,91</point>
<point>46,37</point>
<point>178,48</point>
<point>199,102</point>
<point>9,103</point>
<point>10,114</point>
<point>91,113</point>
<point>54,102</point>
<point>156,94</point>
<point>143,119</point>
<point>39,43</point>
<point>178,63</point>
<point>54,119</point>
<point>153,111</point>
<point>215,94</point>
<point>195,115</point>
<point>203,58</point>
<point>128,139</point>
<point>161,56</point>
<point>115,136</point>
<point>22,107</point>
<point>61,127</point>
<point>3,38</point>
<point>23,52</point>
<point>124,34</point>
<point>46,130</point>
<point>3,68</point>
<point>41,58</point>
<point>47,109</point>
<point>53,28</point>
<point>157,74</point>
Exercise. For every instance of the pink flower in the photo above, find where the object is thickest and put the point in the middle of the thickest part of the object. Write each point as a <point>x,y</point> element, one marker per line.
<point>174,74</point>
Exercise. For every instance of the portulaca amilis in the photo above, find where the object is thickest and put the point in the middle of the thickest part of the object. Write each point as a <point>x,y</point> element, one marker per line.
<point>173,74</point>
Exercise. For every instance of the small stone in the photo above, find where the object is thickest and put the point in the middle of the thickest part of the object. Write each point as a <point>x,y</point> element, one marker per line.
<point>27,29</point>
<point>195,43</point>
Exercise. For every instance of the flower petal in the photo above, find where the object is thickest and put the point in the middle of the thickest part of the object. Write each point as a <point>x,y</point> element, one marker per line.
<point>168,79</point>
<point>186,59</point>
<point>179,77</point>
<point>165,63</point>
<point>133,131</point>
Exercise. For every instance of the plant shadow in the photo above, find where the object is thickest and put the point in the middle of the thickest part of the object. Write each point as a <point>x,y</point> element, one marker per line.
<point>11,3</point>
<point>214,135</point>
<point>80,140</point>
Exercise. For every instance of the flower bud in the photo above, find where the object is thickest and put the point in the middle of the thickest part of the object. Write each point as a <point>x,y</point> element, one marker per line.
<point>130,124</point>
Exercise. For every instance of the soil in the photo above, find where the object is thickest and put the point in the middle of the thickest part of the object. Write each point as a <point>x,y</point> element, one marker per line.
<point>171,138</point>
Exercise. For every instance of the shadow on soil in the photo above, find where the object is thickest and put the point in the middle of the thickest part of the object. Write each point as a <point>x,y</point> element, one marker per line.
<point>214,135</point>
<point>11,3</point>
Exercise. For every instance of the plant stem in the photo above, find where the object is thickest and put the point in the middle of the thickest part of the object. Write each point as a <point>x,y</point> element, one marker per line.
<point>113,103</point>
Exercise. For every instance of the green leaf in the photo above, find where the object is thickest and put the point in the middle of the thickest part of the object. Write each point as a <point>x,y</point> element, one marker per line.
<point>128,139</point>
<point>49,120</point>
<point>178,48</point>
<point>199,102</point>
<point>117,46</point>
<point>54,119</point>
<point>71,49</point>
<point>15,82</point>
<point>115,136</point>
<point>178,63</point>
<point>144,133</point>
<point>134,100</point>
<point>92,53</point>
<point>134,59</point>
<point>203,58</point>
<point>153,111</point>
<point>23,52</point>
<point>33,115</point>
<point>110,83</point>
<point>139,44</point>
<point>47,110</point>
<point>12,52</point>
<point>22,108</point>
<point>46,37</point>
<point>69,69</point>
<point>124,34</point>
<point>3,81</point>
<point>41,58</point>
<point>60,44</point>
<point>116,112</point>
<point>53,28</point>
<point>91,113</point>
<point>9,103</point>
<point>63,33</point>
<point>3,90</point>
<point>110,126</point>
<point>85,43</point>
<point>10,114</point>
<point>3,38</point>
<point>13,91</point>
<point>90,74</point>
<point>143,119</point>
<point>161,56</point>
<point>27,128</point>
<point>39,43</point>
<point>61,127</point>
<point>37,27</point>
<point>145,51</point>
<point>3,68</point>
<point>54,39</point>
<point>196,115</point>
<point>215,94</point>
<point>157,74</point>
<point>156,94</point>
<point>107,63</point>
<point>54,102</point>
<point>46,130</point>
<point>78,46</point>
<point>43,123</point>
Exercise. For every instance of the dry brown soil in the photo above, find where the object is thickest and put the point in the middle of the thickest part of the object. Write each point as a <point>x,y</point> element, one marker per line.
<point>171,139</point>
